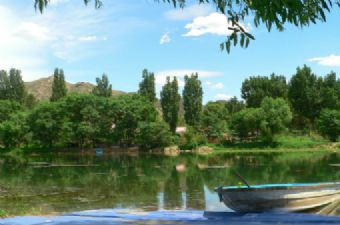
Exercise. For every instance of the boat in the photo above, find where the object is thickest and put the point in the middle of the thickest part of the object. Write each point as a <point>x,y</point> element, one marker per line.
<point>299,197</point>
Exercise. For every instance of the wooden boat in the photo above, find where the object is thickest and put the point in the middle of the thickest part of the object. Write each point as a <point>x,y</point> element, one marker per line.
<point>279,197</point>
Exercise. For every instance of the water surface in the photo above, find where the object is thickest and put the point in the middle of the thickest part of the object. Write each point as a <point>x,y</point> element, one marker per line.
<point>58,183</point>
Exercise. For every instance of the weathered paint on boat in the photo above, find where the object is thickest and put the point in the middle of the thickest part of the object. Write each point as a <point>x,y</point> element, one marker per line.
<point>279,197</point>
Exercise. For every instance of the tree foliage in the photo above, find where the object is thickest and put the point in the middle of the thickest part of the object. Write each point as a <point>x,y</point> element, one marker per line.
<point>255,89</point>
<point>329,124</point>
<point>192,100</point>
<point>170,100</point>
<point>59,89</point>
<point>153,135</point>
<point>278,14</point>
<point>147,86</point>
<point>215,119</point>
<point>275,117</point>
<point>305,94</point>
<point>103,88</point>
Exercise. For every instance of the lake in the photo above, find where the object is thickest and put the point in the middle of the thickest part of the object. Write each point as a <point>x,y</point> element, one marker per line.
<point>56,183</point>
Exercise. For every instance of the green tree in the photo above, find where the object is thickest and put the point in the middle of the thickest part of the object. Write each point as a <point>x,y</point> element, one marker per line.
<point>127,112</point>
<point>276,116</point>
<point>46,122</point>
<point>329,124</point>
<point>153,135</point>
<point>7,108</point>
<point>234,105</point>
<point>147,86</point>
<point>30,101</point>
<point>59,89</point>
<point>4,85</point>
<point>255,89</point>
<point>215,119</point>
<point>192,100</point>
<point>330,92</point>
<point>170,100</point>
<point>17,90</point>
<point>103,88</point>
<point>14,131</point>
<point>246,123</point>
<point>304,95</point>
<point>86,119</point>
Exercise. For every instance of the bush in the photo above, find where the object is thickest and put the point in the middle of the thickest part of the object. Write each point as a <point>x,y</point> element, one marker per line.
<point>192,139</point>
<point>153,134</point>
<point>329,124</point>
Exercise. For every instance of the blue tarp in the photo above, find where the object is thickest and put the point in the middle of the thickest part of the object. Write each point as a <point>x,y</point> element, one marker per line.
<point>189,217</point>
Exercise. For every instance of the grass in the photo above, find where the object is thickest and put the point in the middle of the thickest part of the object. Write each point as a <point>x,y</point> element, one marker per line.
<point>282,143</point>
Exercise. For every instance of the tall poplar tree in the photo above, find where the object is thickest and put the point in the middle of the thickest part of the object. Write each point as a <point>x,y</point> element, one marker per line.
<point>4,85</point>
<point>147,86</point>
<point>17,90</point>
<point>170,103</point>
<point>103,88</point>
<point>192,100</point>
<point>59,89</point>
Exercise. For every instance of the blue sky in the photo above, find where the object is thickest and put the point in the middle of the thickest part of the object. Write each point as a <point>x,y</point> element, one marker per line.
<point>126,36</point>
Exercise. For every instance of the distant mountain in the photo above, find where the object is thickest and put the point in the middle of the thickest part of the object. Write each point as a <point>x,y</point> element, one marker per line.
<point>42,88</point>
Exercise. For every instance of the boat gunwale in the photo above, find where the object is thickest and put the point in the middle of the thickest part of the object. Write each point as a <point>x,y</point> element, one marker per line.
<point>267,187</point>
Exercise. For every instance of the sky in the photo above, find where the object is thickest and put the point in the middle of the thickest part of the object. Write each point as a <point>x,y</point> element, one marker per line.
<point>126,36</point>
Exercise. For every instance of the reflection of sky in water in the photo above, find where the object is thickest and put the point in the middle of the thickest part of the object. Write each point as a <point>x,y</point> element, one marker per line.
<point>212,202</point>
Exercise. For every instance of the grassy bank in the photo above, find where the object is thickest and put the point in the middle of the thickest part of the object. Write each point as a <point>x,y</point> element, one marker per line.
<point>283,143</point>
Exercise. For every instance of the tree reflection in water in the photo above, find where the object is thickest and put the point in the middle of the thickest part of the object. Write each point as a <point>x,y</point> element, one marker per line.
<point>55,183</point>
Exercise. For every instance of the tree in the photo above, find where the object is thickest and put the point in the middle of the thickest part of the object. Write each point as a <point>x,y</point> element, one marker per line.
<point>276,116</point>
<point>215,119</point>
<point>329,124</point>
<point>192,100</point>
<point>330,92</point>
<point>30,101</point>
<point>59,89</point>
<point>170,100</point>
<point>17,90</point>
<point>87,119</point>
<point>234,105</point>
<point>304,95</point>
<point>246,123</point>
<point>147,86</point>
<point>153,135</point>
<point>4,85</point>
<point>14,131</point>
<point>128,111</point>
<point>255,89</point>
<point>7,108</point>
<point>300,13</point>
<point>46,122</point>
<point>103,88</point>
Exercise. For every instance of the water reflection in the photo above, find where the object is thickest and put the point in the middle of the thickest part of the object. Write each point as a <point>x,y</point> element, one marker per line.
<point>54,183</point>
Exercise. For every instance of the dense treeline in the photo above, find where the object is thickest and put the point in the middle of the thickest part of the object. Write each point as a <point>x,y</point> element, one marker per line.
<point>271,105</point>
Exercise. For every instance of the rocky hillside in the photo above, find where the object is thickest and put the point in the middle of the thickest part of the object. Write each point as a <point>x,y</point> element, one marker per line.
<point>42,88</point>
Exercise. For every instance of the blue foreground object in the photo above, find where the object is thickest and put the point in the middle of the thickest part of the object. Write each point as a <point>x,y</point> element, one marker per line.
<point>127,217</point>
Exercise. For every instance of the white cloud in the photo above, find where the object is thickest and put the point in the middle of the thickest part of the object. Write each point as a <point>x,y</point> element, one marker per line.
<point>222,97</point>
<point>331,60</point>
<point>34,31</point>
<point>57,2</point>
<point>212,85</point>
<point>215,23</point>
<point>189,13</point>
<point>88,38</point>
<point>165,38</point>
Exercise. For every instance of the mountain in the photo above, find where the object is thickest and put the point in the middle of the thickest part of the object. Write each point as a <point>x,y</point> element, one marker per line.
<point>42,88</point>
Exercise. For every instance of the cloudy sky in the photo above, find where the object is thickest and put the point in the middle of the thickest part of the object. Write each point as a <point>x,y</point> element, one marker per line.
<point>126,36</point>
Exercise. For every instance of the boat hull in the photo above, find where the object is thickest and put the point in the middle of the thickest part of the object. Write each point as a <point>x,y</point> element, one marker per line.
<point>289,198</point>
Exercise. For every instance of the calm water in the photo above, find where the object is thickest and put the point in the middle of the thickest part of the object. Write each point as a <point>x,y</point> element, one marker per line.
<point>56,183</point>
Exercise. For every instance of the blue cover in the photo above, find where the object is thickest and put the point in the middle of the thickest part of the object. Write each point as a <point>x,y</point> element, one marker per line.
<point>185,217</point>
